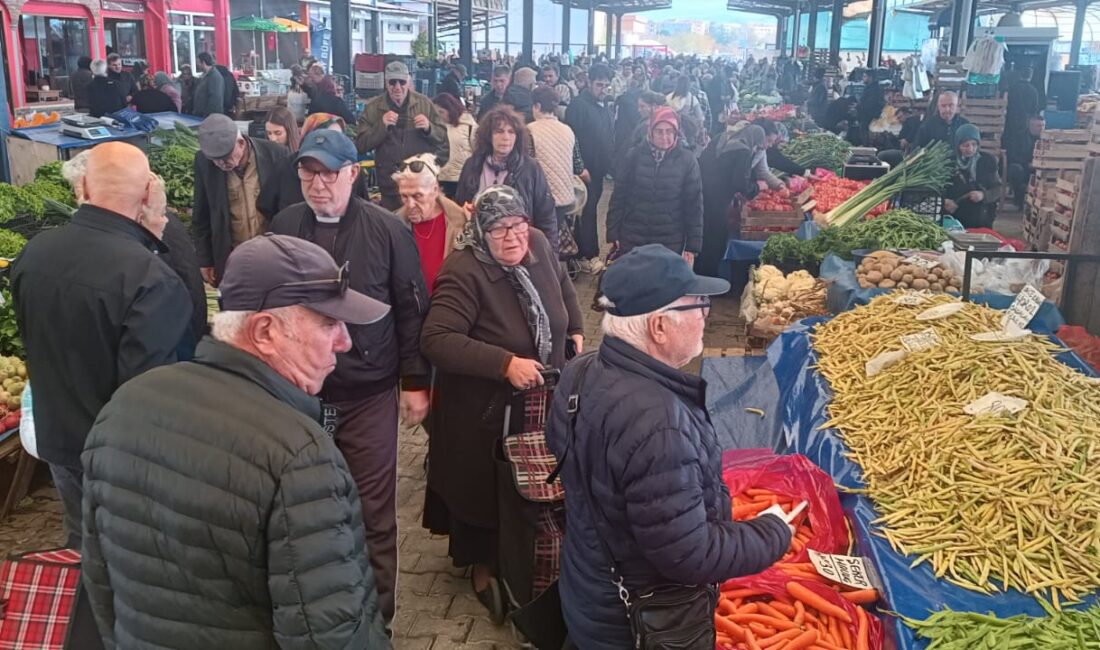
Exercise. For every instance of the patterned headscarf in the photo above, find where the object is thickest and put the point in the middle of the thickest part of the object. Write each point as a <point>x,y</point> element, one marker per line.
<point>322,121</point>
<point>492,204</point>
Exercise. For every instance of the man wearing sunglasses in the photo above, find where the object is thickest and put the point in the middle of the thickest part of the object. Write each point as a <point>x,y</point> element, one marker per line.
<point>383,377</point>
<point>218,511</point>
<point>230,172</point>
<point>399,124</point>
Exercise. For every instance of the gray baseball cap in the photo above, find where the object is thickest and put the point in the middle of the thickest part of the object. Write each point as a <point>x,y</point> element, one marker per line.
<point>397,70</point>
<point>217,136</point>
<point>272,271</point>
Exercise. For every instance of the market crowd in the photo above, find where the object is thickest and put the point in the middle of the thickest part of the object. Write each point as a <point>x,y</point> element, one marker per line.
<point>235,485</point>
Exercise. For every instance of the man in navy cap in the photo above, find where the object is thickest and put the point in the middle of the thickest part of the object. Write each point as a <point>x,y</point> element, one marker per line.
<point>218,513</point>
<point>631,434</point>
<point>383,376</point>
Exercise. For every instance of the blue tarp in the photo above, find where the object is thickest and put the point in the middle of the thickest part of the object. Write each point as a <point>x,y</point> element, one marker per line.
<point>803,397</point>
<point>738,383</point>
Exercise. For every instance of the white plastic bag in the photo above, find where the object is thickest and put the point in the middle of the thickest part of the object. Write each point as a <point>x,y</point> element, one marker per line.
<point>26,424</point>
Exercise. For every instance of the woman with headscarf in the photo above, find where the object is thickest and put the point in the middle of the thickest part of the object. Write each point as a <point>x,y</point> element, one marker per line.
<point>503,310</point>
<point>658,197</point>
<point>157,98</point>
<point>500,158</point>
<point>285,188</point>
<point>163,82</point>
<point>727,168</point>
<point>976,186</point>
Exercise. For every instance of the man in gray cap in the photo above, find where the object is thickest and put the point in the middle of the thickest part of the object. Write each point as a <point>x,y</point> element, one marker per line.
<point>230,170</point>
<point>399,124</point>
<point>383,377</point>
<point>218,512</point>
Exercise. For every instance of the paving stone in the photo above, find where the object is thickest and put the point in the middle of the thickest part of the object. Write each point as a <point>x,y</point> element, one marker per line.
<point>421,584</point>
<point>447,584</point>
<point>435,564</point>
<point>454,629</point>
<point>466,605</point>
<point>483,631</point>
<point>432,605</point>
<point>413,644</point>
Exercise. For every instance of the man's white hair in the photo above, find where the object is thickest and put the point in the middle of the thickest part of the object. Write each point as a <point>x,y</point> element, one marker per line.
<point>99,68</point>
<point>632,329</point>
<point>227,326</point>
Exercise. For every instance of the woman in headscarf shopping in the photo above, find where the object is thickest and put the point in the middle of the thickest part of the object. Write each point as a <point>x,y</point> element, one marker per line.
<point>976,186</point>
<point>727,173</point>
<point>502,311</point>
<point>658,197</point>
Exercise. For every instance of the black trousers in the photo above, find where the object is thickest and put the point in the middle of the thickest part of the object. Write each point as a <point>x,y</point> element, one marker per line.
<point>588,237</point>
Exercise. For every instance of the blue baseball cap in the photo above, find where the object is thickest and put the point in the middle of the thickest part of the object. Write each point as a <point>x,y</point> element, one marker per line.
<point>332,149</point>
<point>650,277</point>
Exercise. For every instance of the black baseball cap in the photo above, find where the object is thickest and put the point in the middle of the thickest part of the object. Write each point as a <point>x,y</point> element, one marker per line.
<point>331,148</point>
<point>650,277</point>
<point>272,271</point>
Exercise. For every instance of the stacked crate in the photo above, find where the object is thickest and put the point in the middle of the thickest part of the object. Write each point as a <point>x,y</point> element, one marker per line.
<point>1058,161</point>
<point>1039,208</point>
<point>989,116</point>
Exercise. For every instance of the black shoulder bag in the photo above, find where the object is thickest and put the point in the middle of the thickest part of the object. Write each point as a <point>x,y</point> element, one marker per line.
<point>667,617</point>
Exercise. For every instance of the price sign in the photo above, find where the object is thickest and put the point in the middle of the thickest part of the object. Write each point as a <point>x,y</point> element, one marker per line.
<point>995,404</point>
<point>855,572</point>
<point>911,298</point>
<point>922,262</point>
<point>922,340</point>
<point>1023,309</point>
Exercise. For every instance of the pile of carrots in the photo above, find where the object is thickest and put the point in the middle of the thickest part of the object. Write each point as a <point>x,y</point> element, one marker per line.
<point>800,619</point>
<point>750,503</point>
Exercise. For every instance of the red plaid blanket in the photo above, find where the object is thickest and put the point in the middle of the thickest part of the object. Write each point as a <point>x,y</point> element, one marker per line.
<point>37,594</point>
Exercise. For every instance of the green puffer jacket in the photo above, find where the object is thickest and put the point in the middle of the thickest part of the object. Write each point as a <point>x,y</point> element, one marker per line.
<point>219,514</point>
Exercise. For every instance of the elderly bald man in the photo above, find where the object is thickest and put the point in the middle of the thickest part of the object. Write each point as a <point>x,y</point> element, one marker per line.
<point>110,312</point>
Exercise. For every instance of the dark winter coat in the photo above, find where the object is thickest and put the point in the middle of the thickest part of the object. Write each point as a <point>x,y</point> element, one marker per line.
<point>384,264</point>
<point>326,102</point>
<point>211,221</point>
<point>96,307</point>
<point>591,123</point>
<point>451,85</point>
<point>239,528</point>
<point>105,96</point>
<point>209,94</point>
<point>180,257</point>
<point>527,178</point>
<point>657,202</point>
<point>151,100</point>
<point>726,172</point>
<point>972,215</point>
<point>934,129</point>
<point>473,330</point>
<point>645,448</point>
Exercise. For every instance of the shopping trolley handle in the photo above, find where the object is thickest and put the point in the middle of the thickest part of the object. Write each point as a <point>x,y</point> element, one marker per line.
<point>550,375</point>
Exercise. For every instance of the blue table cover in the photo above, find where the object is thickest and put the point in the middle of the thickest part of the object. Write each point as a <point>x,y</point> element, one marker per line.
<point>51,133</point>
<point>803,397</point>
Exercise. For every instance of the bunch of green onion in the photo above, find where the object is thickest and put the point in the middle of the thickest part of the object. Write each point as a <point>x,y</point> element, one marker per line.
<point>930,168</point>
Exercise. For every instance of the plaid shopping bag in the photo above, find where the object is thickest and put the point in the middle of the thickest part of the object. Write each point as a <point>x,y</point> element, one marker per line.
<point>37,594</point>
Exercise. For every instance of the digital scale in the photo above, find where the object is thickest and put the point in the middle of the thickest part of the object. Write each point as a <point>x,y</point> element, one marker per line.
<point>85,127</point>
<point>863,164</point>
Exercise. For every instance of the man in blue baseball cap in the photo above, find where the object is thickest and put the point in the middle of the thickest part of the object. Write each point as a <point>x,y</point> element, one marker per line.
<point>631,434</point>
<point>382,377</point>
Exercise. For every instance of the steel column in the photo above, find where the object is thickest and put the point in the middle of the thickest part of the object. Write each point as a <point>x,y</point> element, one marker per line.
<point>796,29</point>
<point>609,32</point>
<point>781,34</point>
<point>591,29</point>
<point>566,15</point>
<point>527,48</point>
<point>962,17</point>
<point>811,29</point>
<point>466,33</point>
<point>877,32</point>
<point>618,36</point>
<point>341,37</point>
<point>836,24</point>
<point>1078,31</point>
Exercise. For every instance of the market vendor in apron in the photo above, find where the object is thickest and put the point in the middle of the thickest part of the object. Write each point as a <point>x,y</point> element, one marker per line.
<point>976,186</point>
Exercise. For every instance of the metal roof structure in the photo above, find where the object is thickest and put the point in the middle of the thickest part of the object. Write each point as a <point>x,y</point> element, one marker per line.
<point>778,8</point>
<point>486,14</point>
<point>618,6</point>
<point>984,7</point>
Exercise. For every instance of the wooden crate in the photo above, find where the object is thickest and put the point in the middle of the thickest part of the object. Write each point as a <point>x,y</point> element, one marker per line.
<point>950,75</point>
<point>1082,306</point>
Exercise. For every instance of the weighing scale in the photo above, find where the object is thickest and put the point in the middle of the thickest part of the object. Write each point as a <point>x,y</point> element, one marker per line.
<point>863,164</point>
<point>85,127</point>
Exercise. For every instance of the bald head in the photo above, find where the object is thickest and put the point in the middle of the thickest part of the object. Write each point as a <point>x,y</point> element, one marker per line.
<point>117,178</point>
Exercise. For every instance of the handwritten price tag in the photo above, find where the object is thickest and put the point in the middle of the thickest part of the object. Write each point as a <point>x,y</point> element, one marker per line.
<point>922,340</point>
<point>911,298</point>
<point>855,572</point>
<point>995,404</point>
<point>1023,309</point>
<point>922,262</point>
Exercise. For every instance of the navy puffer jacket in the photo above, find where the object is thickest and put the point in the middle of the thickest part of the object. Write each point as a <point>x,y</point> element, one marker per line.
<point>647,448</point>
<point>657,202</point>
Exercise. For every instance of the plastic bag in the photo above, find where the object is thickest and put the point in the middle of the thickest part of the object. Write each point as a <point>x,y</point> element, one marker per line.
<point>794,476</point>
<point>771,585</point>
<point>997,275</point>
<point>1083,343</point>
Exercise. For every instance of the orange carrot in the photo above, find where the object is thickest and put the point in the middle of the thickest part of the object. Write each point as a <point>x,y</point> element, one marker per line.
<point>770,610</point>
<point>863,635</point>
<point>799,612</point>
<point>726,606</point>
<point>726,626</point>
<point>750,640</point>
<point>745,619</point>
<point>811,599</point>
<point>780,637</point>
<point>804,640</point>
<point>861,596</point>
<point>784,608</point>
<point>761,630</point>
<point>845,636</point>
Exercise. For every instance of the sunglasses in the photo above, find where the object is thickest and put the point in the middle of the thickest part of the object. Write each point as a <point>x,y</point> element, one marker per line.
<point>416,167</point>
<point>704,305</point>
<point>397,82</point>
<point>340,282</point>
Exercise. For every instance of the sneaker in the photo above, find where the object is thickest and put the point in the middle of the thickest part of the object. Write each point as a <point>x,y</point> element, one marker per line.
<point>592,266</point>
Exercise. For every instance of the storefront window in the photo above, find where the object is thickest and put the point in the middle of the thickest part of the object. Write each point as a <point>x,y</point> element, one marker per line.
<point>127,38</point>
<point>51,47</point>
<point>191,34</point>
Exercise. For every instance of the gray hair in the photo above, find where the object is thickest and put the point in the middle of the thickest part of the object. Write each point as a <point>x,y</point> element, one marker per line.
<point>74,169</point>
<point>428,177</point>
<point>632,329</point>
<point>227,326</point>
<point>525,78</point>
<point>99,68</point>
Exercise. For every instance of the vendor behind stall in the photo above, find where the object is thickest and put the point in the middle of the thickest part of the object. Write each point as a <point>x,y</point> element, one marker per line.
<point>976,186</point>
<point>941,126</point>
<point>1019,153</point>
<point>776,135</point>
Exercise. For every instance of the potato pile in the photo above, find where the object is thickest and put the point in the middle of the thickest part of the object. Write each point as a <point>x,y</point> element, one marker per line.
<point>887,270</point>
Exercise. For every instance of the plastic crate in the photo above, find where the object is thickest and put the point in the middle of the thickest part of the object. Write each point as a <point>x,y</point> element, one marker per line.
<point>925,204</point>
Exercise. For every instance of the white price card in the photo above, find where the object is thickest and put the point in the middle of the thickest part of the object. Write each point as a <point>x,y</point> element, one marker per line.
<point>941,311</point>
<point>911,298</point>
<point>1004,336</point>
<point>855,572</point>
<point>922,262</point>
<point>922,340</point>
<point>1024,308</point>
<point>884,361</point>
<point>995,404</point>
